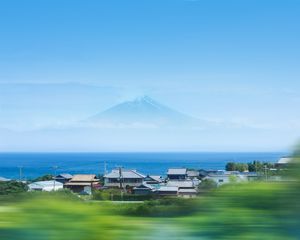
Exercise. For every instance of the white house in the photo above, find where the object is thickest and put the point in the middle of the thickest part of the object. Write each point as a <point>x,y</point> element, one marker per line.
<point>223,177</point>
<point>187,193</point>
<point>46,186</point>
<point>167,191</point>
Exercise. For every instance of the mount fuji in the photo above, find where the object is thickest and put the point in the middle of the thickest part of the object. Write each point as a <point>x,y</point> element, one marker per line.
<point>143,111</point>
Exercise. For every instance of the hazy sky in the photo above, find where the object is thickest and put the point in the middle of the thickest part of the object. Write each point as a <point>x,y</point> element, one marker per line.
<point>226,61</point>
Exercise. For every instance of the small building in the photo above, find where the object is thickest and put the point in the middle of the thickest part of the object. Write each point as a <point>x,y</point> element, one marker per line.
<point>46,186</point>
<point>123,178</point>
<point>63,178</point>
<point>187,193</point>
<point>144,189</point>
<point>3,179</point>
<point>222,177</point>
<point>177,173</point>
<point>283,162</point>
<point>82,183</point>
<point>167,191</point>
<point>193,174</point>
<point>153,179</point>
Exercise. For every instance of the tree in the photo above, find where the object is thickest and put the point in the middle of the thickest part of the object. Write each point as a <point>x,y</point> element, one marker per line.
<point>12,187</point>
<point>46,177</point>
<point>207,184</point>
<point>230,166</point>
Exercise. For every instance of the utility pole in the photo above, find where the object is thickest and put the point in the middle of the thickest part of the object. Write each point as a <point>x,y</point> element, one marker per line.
<point>120,177</point>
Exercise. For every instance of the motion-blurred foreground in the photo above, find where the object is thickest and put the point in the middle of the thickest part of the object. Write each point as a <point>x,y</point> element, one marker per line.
<point>257,210</point>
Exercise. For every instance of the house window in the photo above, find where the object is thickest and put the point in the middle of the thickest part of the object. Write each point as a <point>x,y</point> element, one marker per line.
<point>221,180</point>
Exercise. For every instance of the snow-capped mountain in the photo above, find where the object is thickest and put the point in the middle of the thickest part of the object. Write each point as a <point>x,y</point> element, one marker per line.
<point>142,111</point>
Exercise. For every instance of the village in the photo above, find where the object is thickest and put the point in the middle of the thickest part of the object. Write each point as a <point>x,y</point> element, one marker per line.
<point>177,182</point>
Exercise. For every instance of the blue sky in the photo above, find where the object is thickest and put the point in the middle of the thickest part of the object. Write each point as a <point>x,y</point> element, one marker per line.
<point>225,61</point>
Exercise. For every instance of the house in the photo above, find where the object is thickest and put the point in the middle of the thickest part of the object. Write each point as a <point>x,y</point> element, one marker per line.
<point>187,193</point>
<point>123,178</point>
<point>3,179</point>
<point>46,186</point>
<point>144,189</point>
<point>63,178</point>
<point>221,177</point>
<point>252,176</point>
<point>167,191</point>
<point>283,162</point>
<point>177,173</point>
<point>82,183</point>
<point>153,179</point>
<point>193,174</point>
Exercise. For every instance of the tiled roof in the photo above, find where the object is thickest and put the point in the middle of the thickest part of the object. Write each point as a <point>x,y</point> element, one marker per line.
<point>84,178</point>
<point>126,173</point>
<point>64,176</point>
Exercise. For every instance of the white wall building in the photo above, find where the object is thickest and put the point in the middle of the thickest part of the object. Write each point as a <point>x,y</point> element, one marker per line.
<point>46,186</point>
<point>223,177</point>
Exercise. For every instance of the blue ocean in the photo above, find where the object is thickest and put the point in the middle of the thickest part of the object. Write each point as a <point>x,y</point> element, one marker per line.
<point>37,164</point>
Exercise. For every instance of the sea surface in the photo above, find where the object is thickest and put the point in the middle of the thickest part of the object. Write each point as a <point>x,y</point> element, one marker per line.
<point>37,164</point>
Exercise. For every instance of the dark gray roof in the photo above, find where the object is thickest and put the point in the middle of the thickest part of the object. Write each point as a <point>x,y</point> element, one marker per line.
<point>64,175</point>
<point>126,173</point>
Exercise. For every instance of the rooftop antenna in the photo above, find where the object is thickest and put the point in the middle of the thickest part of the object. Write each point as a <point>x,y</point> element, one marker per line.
<point>105,169</point>
<point>20,173</point>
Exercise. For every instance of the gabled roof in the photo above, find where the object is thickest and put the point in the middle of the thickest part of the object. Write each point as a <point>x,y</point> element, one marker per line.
<point>154,178</point>
<point>177,171</point>
<point>145,186</point>
<point>84,178</point>
<point>64,176</point>
<point>126,173</point>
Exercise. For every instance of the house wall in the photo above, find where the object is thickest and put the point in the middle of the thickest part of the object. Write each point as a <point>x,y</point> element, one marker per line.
<point>177,177</point>
<point>132,182</point>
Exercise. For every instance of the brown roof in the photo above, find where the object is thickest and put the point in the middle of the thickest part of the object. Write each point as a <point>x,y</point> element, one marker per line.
<point>84,178</point>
